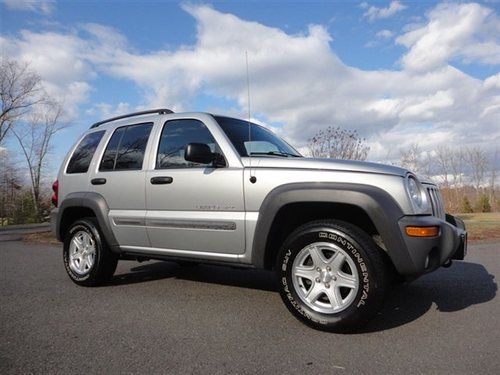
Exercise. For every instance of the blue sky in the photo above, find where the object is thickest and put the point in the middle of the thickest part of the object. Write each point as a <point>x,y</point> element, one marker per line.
<point>392,70</point>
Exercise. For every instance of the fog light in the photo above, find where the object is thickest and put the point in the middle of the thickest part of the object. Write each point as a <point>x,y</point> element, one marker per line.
<point>422,231</point>
<point>426,264</point>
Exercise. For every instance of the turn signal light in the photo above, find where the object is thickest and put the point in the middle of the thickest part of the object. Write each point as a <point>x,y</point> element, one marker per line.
<point>422,231</point>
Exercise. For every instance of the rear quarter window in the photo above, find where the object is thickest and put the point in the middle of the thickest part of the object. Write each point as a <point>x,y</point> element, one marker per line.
<point>82,156</point>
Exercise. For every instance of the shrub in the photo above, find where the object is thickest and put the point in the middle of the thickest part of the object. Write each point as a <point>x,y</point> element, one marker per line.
<point>483,204</point>
<point>465,206</point>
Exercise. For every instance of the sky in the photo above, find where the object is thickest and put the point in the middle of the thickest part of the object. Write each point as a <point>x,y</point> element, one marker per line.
<point>398,72</point>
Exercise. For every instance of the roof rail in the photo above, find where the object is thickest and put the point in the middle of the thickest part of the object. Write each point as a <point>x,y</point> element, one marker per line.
<point>161,111</point>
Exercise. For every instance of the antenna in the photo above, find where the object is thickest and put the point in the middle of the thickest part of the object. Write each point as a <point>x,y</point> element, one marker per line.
<point>253,179</point>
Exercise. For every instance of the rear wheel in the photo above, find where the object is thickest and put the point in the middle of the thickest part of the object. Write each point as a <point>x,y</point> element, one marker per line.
<point>331,275</point>
<point>87,258</point>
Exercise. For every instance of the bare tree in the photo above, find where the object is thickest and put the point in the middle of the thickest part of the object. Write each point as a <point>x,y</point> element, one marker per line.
<point>493,177</point>
<point>20,90</point>
<point>450,164</point>
<point>477,162</point>
<point>443,167</point>
<point>415,160</point>
<point>35,141</point>
<point>338,143</point>
<point>10,185</point>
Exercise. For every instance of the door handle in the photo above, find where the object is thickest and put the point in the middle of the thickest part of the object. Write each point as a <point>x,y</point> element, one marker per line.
<point>161,180</point>
<point>98,181</point>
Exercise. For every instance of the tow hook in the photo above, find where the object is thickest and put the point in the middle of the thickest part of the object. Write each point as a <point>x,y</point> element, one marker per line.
<point>448,264</point>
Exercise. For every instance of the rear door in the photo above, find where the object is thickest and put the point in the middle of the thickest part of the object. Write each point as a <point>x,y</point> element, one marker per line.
<point>120,178</point>
<point>193,208</point>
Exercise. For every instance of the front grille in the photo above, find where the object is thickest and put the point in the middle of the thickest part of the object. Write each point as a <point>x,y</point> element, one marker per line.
<point>436,202</point>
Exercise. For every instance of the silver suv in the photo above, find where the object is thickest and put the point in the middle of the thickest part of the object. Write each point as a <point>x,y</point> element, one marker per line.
<point>205,188</point>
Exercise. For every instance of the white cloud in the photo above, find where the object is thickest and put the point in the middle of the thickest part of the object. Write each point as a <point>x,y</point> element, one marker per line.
<point>60,61</point>
<point>39,6</point>
<point>374,13</point>
<point>384,34</point>
<point>296,80</point>
<point>381,36</point>
<point>106,110</point>
<point>468,32</point>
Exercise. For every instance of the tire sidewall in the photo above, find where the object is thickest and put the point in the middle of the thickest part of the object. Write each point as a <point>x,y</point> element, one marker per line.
<point>89,227</point>
<point>337,236</point>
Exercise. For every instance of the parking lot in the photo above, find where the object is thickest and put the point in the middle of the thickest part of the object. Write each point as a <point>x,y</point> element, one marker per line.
<point>158,317</point>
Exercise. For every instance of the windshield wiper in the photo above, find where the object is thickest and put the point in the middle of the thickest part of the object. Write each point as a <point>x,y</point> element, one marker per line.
<point>276,153</point>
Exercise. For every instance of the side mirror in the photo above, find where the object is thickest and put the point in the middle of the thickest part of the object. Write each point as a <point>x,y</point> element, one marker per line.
<point>198,153</point>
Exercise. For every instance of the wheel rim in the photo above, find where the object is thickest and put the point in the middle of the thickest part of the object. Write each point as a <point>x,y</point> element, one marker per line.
<point>81,253</point>
<point>325,277</point>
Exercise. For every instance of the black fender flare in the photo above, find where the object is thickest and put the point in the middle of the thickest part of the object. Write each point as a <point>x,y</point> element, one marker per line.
<point>98,205</point>
<point>380,207</point>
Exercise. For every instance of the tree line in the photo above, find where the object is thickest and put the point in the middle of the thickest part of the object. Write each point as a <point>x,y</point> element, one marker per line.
<point>28,122</point>
<point>466,175</point>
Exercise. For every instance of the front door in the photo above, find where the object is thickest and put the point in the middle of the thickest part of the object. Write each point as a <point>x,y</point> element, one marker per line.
<point>193,207</point>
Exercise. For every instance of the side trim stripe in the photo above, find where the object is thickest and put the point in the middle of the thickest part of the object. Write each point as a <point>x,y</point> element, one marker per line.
<point>127,221</point>
<point>178,224</point>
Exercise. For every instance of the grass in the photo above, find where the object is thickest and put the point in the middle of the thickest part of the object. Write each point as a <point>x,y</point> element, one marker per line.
<point>482,226</point>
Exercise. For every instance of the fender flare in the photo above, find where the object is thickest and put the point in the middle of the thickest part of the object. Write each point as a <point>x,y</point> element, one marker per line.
<point>380,207</point>
<point>98,205</point>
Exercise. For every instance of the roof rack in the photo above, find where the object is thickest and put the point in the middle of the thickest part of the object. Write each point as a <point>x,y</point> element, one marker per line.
<point>161,111</point>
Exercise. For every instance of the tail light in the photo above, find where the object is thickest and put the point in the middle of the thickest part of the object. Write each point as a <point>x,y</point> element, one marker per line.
<point>55,188</point>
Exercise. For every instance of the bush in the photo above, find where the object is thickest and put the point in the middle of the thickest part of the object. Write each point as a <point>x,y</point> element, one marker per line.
<point>465,206</point>
<point>483,204</point>
<point>24,211</point>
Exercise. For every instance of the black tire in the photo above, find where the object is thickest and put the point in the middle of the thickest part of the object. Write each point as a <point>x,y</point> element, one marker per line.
<point>105,261</point>
<point>369,263</point>
<point>187,263</point>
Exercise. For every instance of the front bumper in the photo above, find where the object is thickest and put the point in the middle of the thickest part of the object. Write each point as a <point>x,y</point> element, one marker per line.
<point>429,253</point>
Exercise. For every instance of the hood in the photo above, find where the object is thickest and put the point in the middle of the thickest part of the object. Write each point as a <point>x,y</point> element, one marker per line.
<point>323,164</point>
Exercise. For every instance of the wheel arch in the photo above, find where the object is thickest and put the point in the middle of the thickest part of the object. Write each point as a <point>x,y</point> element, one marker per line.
<point>85,204</point>
<point>365,206</point>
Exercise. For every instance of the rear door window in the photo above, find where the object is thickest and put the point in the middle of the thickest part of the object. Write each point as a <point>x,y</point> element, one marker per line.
<point>125,149</point>
<point>81,158</point>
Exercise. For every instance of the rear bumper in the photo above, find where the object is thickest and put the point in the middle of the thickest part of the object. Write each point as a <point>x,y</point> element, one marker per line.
<point>54,224</point>
<point>429,253</point>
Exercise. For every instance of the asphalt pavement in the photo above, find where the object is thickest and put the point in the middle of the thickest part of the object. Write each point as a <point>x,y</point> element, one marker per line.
<point>16,232</point>
<point>158,317</point>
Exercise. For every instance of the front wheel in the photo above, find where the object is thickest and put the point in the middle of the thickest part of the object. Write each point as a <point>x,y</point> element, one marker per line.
<point>86,255</point>
<point>331,275</point>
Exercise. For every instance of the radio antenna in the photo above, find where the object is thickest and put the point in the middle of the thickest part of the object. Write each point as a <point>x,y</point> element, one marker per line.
<point>253,179</point>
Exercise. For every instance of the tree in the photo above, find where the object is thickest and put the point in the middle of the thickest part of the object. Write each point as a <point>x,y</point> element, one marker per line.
<point>493,177</point>
<point>20,90</point>
<point>450,169</point>
<point>34,139</point>
<point>338,143</point>
<point>10,186</point>
<point>413,159</point>
<point>477,162</point>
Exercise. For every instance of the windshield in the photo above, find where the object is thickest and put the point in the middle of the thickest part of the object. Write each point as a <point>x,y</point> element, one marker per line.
<point>263,141</point>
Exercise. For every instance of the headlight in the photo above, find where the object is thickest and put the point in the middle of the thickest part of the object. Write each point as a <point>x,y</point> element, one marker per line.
<point>417,194</point>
